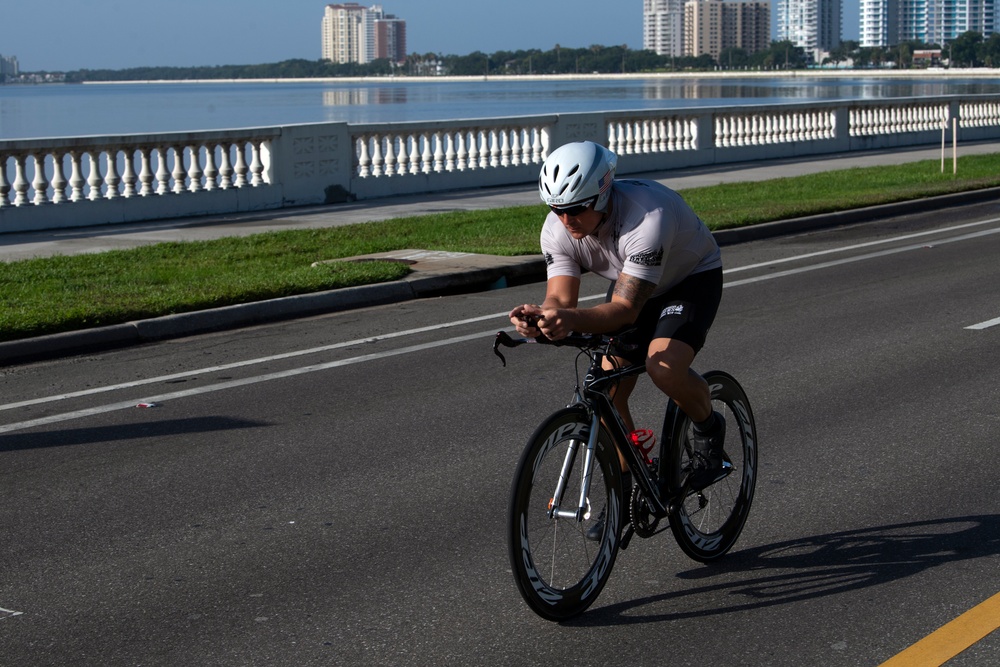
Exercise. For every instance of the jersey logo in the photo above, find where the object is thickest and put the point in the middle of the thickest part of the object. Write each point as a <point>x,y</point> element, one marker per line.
<point>549,259</point>
<point>676,309</point>
<point>649,258</point>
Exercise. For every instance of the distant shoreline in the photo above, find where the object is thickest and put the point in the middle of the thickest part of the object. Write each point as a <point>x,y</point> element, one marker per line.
<point>978,72</point>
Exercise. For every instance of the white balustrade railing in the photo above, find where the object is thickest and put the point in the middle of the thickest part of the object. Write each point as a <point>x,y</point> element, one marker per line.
<point>59,182</point>
<point>897,119</point>
<point>653,134</point>
<point>50,172</point>
<point>408,149</point>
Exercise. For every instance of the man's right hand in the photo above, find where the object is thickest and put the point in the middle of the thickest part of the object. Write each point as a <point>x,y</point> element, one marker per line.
<point>525,320</point>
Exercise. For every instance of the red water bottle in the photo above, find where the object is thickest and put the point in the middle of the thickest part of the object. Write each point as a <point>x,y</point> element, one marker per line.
<point>644,440</point>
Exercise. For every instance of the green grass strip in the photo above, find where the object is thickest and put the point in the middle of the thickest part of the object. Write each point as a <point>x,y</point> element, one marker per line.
<point>66,293</point>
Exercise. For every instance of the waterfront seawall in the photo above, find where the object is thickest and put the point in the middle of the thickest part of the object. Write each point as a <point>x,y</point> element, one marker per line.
<point>64,182</point>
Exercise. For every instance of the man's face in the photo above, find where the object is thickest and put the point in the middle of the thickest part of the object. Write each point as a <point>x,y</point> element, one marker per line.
<point>580,221</point>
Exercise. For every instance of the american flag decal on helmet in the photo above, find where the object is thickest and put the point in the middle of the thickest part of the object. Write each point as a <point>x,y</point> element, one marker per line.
<point>604,182</point>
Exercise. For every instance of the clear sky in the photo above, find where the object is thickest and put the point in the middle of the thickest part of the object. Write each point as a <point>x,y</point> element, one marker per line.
<point>115,34</point>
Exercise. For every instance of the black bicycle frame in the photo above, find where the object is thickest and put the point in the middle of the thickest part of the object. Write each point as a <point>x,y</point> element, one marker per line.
<point>596,388</point>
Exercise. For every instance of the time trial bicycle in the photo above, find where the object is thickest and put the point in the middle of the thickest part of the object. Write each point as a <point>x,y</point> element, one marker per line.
<point>568,483</point>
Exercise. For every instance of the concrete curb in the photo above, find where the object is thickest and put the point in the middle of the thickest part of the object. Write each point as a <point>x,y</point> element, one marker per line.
<point>506,272</point>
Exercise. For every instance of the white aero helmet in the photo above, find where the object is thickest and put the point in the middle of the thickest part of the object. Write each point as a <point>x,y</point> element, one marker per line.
<point>575,173</point>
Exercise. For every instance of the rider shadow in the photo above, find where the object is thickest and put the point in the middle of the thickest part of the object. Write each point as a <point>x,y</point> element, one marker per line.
<point>815,567</point>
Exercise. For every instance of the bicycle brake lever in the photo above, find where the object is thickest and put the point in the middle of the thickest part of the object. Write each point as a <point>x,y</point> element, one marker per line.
<point>502,339</point>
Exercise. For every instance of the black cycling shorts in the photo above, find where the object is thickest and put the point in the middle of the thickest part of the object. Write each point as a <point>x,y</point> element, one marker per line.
<point>685,312</point>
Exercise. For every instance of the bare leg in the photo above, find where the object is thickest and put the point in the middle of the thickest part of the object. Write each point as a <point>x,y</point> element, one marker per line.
<point>669,367</point>
<point>620,396</point>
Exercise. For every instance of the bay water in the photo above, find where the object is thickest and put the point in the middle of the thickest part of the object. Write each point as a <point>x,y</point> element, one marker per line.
<point>66,110</point>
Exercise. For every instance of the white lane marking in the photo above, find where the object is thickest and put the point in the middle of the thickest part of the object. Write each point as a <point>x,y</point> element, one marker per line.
<point>248,362</point>
<point>111,407</point>
<point>226,385</point>
<point>7,613</point>
<point>858,246</point>
<point>858,258</point>
<point>985,325</point>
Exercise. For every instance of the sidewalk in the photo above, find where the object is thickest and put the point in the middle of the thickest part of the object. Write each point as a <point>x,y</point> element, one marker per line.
<point>432,273</point>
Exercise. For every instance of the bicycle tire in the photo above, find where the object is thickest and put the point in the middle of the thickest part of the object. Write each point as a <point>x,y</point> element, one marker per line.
<point>558,570</point>
<point>707,523</point>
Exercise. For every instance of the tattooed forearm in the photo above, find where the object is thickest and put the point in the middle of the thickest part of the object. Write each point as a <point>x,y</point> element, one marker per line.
<point>633,290</point>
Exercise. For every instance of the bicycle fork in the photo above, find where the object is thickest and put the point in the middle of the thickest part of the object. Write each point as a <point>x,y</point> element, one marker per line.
<point>582,510</point>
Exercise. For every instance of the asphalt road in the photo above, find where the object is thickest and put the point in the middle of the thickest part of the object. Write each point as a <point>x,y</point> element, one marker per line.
<point>332,491</point>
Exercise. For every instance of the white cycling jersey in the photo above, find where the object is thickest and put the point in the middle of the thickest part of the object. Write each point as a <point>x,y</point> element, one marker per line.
<point>651,234</point>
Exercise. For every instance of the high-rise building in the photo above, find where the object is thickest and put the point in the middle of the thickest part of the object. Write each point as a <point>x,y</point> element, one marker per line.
<point>887,23</point>
<point>663,27</point>
<point>8,66</point>
<point>813,25</point>
<point>390,38</point>
<point>353,33</point>
<point>712,26</point>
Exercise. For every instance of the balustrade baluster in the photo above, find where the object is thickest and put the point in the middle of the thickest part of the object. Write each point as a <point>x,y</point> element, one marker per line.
<point>94,179</point>
<point>194,171</point>
<point>493,145</point>
<point>438,152</point>
<point>427,155</point>
<point>20,181</point>
<point>145,172</point>
<point>179,173</point>
<point>129,178</point>
<point>474,153</point>
<point>59,181</point>
<point>364,159</point>
<point>390,156</point>
<point>111,177</point>
<point>403,157</point>
<point>515,147</point>
<point>462,159</point>
<point>76,181</point>
<point>211,171</point>
<point>449,153</point>
<point>4,183</point>
<point>671,135</point>
<point>504,137</point>
<point>162,170</point>
<point>40,184</point>
<point>257,163</point>
<point>536,146</point>
<point>240,167</point>
<point>415,160</point>
<point>226,170</point>
<point>751,127</point>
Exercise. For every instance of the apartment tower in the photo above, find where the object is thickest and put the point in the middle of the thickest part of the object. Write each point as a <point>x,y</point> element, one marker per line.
<point>712,26</point>
<point>887,23</point>
<point>813,25</point>
<point>663,27</point>
<point>353,33</point>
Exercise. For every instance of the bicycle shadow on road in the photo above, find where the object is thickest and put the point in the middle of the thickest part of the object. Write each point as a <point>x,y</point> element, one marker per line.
<point>813,567</point>
<point>104,434</point>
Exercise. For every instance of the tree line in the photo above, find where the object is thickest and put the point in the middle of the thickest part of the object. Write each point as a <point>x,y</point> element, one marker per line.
<point>968,50</point>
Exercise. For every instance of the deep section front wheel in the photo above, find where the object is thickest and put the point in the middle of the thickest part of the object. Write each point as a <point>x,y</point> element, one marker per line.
<point>707,523</point>
<point>559,570</point>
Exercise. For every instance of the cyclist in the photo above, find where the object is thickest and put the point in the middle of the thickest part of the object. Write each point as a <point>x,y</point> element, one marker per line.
<point>666,273</point>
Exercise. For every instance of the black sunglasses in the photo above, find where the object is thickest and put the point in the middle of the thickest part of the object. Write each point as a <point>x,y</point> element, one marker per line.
<point>575,209</point>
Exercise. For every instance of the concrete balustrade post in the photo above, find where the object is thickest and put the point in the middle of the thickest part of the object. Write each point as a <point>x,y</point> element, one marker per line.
<point>4,183</point>
<point>40,184</point>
